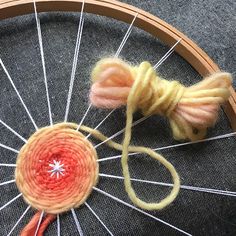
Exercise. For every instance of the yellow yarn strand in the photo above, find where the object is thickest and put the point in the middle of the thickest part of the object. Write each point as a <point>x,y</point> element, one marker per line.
<point>145,74</point>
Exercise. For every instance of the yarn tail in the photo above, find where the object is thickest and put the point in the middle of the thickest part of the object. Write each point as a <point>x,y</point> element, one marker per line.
<point>31,227</point>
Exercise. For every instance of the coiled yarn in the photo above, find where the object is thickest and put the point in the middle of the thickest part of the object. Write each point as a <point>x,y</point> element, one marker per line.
<point>190,110</point>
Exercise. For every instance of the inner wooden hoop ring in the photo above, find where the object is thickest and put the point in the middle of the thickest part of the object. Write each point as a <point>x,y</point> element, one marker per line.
<point>194,55</point>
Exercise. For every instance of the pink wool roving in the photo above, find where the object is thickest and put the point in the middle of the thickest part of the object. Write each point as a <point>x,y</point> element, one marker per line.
<point>190,109</point>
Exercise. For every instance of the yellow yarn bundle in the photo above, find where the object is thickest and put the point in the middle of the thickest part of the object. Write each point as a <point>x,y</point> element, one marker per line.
<point>190,110</point>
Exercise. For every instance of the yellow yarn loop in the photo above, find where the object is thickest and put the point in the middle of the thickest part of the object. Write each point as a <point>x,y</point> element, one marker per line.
<point>128,187</point>
<point>141,96</point>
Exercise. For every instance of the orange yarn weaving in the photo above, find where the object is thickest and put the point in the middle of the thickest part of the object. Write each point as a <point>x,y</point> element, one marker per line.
<point>56,169</point>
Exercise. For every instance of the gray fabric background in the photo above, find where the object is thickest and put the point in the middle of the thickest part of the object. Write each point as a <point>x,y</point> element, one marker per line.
<point>211,24</point>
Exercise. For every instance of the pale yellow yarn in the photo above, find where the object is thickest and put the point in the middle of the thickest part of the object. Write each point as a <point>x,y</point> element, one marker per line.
<point>136,99</point>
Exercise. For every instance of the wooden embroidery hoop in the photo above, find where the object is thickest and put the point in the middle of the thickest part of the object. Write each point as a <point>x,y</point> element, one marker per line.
<point>194,55</point>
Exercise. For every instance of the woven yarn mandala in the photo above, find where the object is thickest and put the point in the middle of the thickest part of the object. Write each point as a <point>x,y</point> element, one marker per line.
<point>56,169</point>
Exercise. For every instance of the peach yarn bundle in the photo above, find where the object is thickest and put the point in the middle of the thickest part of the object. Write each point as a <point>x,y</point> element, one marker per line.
<point>190,109</point>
